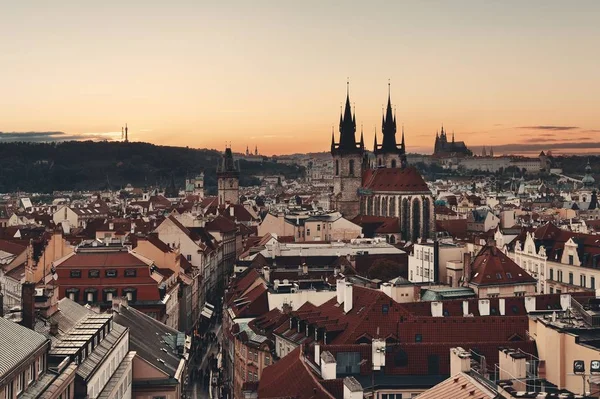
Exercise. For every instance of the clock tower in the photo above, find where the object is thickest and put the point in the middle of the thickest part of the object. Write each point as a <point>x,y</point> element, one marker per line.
<point>228,179</point>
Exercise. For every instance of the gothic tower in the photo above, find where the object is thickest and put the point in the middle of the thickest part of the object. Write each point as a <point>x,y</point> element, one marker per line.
<point>390,154</point>
<point>228,176</point>
<point>348,158</point>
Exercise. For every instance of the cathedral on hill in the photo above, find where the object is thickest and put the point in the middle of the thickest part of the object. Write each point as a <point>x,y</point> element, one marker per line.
<point>444,148</point>
<point>390,188</point>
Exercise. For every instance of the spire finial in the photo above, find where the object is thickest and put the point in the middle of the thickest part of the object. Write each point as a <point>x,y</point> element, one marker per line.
<point>348,87</point>
<point>389,88</point>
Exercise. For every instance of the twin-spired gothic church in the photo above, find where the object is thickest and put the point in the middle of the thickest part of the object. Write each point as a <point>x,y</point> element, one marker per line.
<point>389,187</point>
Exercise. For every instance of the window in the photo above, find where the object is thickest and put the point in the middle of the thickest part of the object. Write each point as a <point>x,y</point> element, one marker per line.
<point>337,168</point>
<point>571,278</point>
<point>73,294</point>
<point>307,232</point>
<point>318,227</point>
<point>351,167</point>
<point>75,273</point>
<point>508,275</point>
<point>560,275</point>
<point>108,296</point>
<point>570,259</point>
<point>130,293</point>
<point>267,360</point>
<point>31,372</point>
<point>551,274</point>
<point>348,363</point>
<point>111,273</point>
<point>8,390</point>
<point>133,272</point>
<point>593,282</point>
<point>94,273</point>
<point>418,338</point>
<point>552,290</point>
<point>90,297</point>
<point>189,258</point>
<point>582,280</point>
<point>20,382</point>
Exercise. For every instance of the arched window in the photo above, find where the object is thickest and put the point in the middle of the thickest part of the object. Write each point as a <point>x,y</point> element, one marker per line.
<point>426,217</point>
<point>337,167</point>
<point>416,220</point>
<point>351,167</point>
<point>392,239</point>
<point>392,211</point>
<point>379,162</point>
<point>405,219</point>
<point>393,163</point>
<point>384,207</point>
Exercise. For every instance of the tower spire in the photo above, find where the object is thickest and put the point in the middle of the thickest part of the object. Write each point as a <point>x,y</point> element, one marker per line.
<point>362,138</point>
<point>332,139</point>
<point>375,141</point>
<point>126,134</point>
<point>403,147</point>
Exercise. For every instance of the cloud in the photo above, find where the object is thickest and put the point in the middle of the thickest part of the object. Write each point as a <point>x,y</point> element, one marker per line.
<point>538,139</point>
<point>522,147</point>
<point>591,131</point>
<point>549,127</point>
<point>43,137</point>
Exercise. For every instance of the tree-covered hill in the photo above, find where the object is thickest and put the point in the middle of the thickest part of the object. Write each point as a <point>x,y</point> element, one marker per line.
<point>87,165</point>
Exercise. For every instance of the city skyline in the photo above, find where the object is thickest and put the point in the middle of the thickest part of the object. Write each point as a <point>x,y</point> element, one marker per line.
<point>519,77</point>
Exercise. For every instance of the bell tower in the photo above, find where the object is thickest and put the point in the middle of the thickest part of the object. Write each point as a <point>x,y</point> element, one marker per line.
<point>228,179</point>
<point>348,163</point>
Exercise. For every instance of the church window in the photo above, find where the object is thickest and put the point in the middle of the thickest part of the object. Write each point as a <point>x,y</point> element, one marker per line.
<point>351,167</point>
<point>337,167</point>
<point>379,162</point>
<point>393,163</point>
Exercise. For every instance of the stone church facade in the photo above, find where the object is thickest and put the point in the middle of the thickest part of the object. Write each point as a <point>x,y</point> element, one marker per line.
<point>390,189</point>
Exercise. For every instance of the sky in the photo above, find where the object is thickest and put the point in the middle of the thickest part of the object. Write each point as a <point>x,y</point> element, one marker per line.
<point>519,75</point>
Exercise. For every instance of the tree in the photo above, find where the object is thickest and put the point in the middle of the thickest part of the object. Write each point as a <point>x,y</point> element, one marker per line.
<point>384,270</point>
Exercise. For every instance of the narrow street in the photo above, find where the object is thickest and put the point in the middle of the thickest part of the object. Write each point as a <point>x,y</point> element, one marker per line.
<point>199,388</point>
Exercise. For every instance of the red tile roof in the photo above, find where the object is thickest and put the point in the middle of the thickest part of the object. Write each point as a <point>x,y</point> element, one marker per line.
<point>102,259</point>
<point>494,267</point>
<point>291,377</point>
<point>395,179</point>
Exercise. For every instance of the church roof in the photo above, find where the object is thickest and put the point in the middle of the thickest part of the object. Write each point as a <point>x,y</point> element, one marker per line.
<point>394,179</point>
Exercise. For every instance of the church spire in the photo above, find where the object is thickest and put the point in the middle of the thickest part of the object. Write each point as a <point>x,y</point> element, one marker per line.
<point>403,145</point>
<point>375,141</point>
<point>388,127</point>
<point>362,138</point>
<point>332,139</point>
<point>348,141</point>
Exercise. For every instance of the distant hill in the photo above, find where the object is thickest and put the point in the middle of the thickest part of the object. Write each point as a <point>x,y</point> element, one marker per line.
<point>88,165</point>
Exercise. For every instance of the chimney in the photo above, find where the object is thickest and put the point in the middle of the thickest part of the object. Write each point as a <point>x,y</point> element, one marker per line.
<point>512,365</point>
<point>530,304</point>
<point>267,274</point>
<point>466,268</point>
<point>318,354</point>
<point>28,304</point>
<point>328,366</point>
<point>460,361</point>
<point>378,353</point>
<point>231,211</point>
<point>1,303</point>
<point>348,297</point>
<point>565,301</point>
<point>339,289</point>
<point>437,309</point>
<point>111,226</point>
<point>484,307</point>
<point>54,328</point>
<point>465,307</point>
<point>304,269</point>
<point>502,306</point>
<point>286,308</point>
<point>352,388</point>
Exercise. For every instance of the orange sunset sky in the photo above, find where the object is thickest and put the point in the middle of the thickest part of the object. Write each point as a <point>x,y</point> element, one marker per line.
<point>521,76</point>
